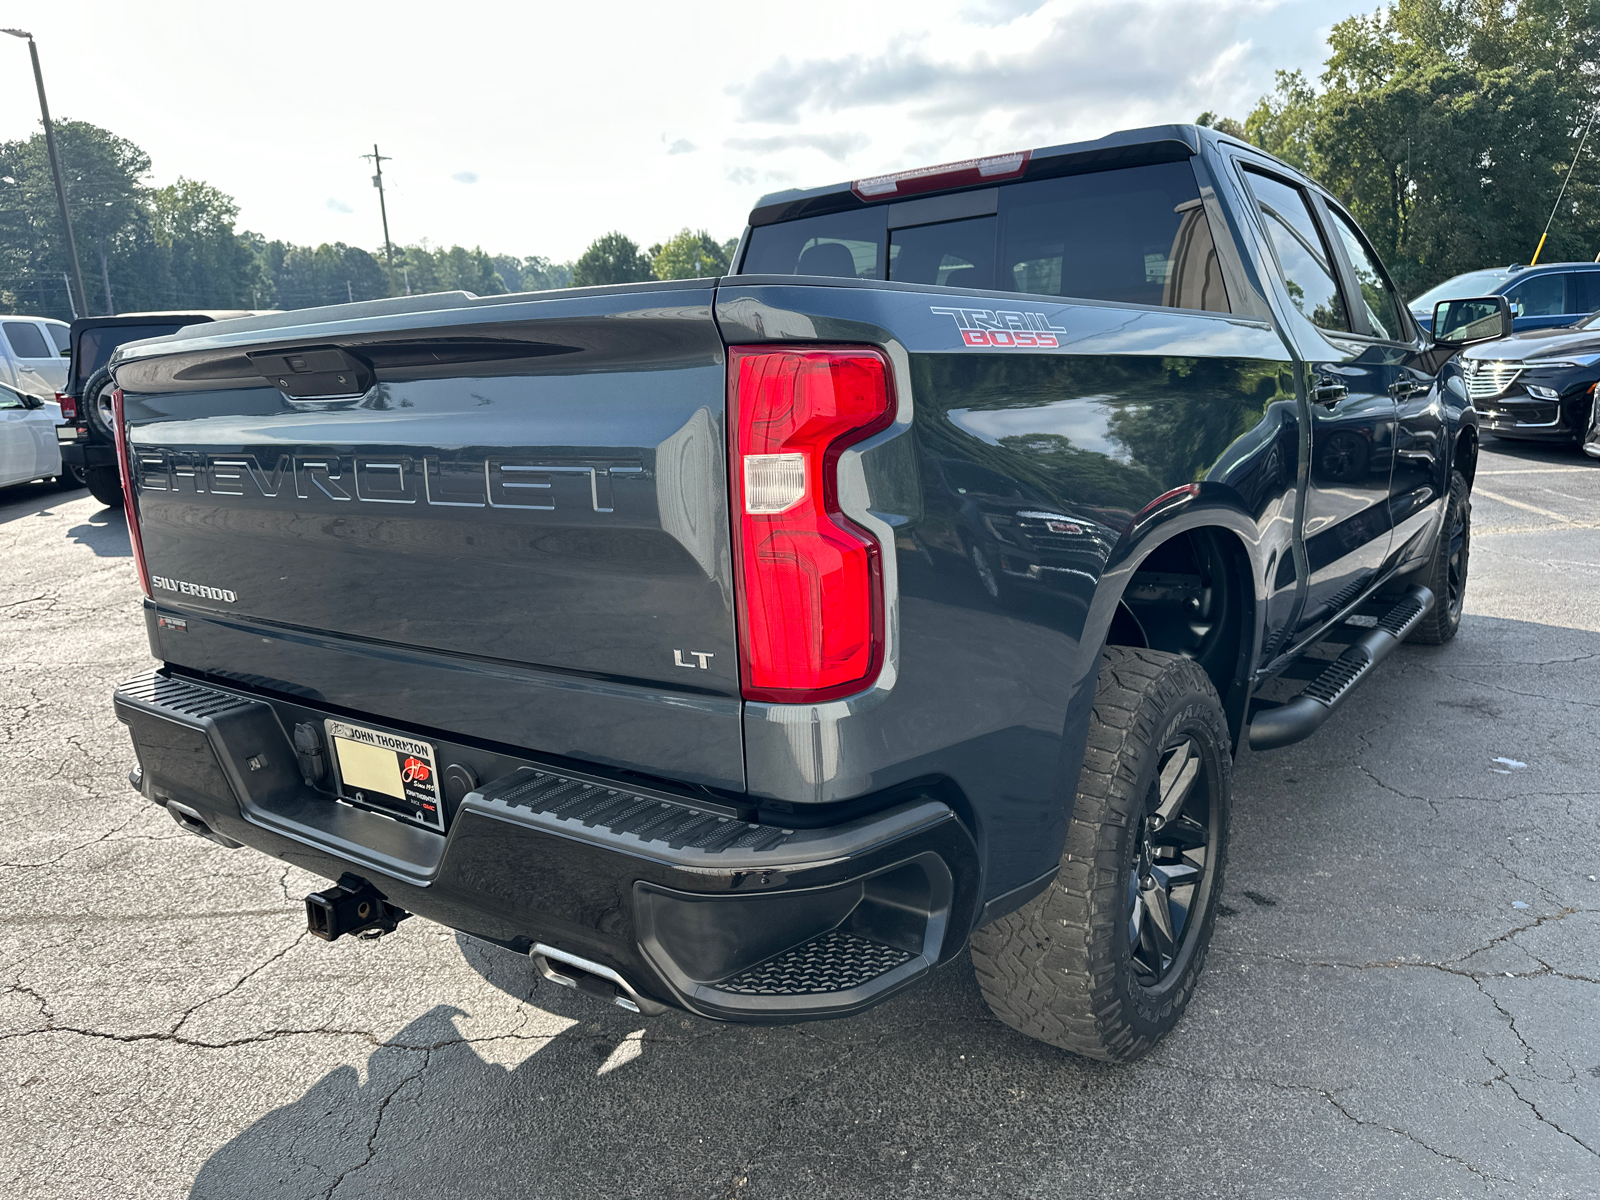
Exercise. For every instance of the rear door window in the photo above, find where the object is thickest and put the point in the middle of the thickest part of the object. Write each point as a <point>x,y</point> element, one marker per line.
<point>1540,296</point>
<point>1588,287</point>
<point>1303,257</point>
<point>25,340</point>
<point>59,334</point>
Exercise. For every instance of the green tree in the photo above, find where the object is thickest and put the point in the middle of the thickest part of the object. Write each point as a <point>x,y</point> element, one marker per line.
<point>541,274</point>
<point>1281,123</point>
<point>1447,126</point>
<point>334,273</point>
<point>209,265</point>
<point>1221,124</point>
<point>611,259</point>
<point>104,177</point>
<point>689,255</point>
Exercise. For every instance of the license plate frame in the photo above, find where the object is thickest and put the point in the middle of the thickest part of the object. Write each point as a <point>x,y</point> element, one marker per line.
<point>390,773</point>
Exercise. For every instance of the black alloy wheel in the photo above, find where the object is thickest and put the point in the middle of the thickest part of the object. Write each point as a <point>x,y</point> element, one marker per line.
<point>1167,885</point>
<point>1104,961</point>
<point>1458,544</point>
<point>1446,571</point>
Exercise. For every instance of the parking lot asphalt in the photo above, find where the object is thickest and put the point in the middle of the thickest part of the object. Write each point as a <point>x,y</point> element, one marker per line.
<point>1403,998</point>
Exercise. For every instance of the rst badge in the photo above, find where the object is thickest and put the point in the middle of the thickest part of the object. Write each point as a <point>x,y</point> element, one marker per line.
<point>1003,329</point>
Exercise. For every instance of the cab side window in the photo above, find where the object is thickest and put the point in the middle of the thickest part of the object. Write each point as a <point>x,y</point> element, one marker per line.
<point>1382,308</point>
<point>1541,296</point>
<point>1303,257</point>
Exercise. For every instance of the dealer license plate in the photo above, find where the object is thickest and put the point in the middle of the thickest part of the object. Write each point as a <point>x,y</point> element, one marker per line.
<point>385,771</point>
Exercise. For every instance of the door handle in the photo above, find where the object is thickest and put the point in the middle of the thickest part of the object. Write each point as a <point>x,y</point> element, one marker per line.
<point>1328,392</point>
<point>1404,389</point>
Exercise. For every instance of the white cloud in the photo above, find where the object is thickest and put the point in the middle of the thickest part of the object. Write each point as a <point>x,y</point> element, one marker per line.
<point>465,177</point>
<point>809,104</point>
<point>837,146</point>
<point>999,12</point>
<point>1095,55</point>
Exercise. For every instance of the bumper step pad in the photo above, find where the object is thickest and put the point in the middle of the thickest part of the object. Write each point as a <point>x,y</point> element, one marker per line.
<point>834,962</point>
<point>647,817</point>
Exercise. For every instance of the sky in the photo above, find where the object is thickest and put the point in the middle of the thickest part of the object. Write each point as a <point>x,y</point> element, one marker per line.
<point>533,128</point>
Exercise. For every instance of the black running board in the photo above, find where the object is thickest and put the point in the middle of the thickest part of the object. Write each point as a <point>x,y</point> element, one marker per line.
<point>1304,715</point>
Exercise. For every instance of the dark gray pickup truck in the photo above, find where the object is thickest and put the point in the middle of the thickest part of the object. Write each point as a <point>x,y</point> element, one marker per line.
<point>755,645</point>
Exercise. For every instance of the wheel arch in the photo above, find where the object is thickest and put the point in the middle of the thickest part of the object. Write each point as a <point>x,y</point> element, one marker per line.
<point>1223,546</point>
<point>1465,452</point>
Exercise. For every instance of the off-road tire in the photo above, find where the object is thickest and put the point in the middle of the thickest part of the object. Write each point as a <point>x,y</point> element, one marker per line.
<point>1060,969</point>
<point>90,405</point>
<point>1446,572</point>
<point>105,485</point>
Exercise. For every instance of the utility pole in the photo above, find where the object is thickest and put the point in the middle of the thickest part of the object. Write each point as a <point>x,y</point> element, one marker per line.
<point>377,181</point>
<point>82,302</point>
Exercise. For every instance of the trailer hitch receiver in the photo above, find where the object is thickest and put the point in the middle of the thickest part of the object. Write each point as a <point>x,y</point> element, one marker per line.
<point>351,906</point>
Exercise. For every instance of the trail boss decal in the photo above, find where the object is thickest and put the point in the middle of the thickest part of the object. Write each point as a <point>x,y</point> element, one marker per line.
<point>1003,329</point>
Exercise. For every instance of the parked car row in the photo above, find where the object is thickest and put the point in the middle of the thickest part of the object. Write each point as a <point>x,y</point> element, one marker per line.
<point>1538,384</point>
<point>28,448</point>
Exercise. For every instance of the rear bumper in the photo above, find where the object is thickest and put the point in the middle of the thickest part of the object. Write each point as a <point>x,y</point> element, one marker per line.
<point>88,454</point>
<point>689,903</point>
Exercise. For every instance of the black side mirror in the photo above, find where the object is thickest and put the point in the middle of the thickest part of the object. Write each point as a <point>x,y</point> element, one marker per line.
<point>1462,322</point>
<point>30,401</point>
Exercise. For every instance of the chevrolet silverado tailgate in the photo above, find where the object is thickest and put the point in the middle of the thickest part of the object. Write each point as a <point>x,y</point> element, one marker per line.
<point>503,519</point>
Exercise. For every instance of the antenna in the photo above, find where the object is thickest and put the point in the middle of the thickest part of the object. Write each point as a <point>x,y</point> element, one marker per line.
<point>377,181</point>
<point>1570,167</point>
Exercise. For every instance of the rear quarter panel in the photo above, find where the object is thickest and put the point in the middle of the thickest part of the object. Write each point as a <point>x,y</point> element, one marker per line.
<point>1046,458</point>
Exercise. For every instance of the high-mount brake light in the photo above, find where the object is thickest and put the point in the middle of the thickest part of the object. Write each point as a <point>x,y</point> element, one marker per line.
<point>125,468</point>
<point>69,406</point>
<point>809,581</point>
<point>965,173</point>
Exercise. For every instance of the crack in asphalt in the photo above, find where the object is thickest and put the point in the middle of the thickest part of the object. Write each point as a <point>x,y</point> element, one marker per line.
<point>377,1125</point>
<point>1332,1097</point>
<point>1505,1077</point>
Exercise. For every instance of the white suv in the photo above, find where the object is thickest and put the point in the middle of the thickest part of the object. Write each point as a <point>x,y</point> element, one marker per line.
<point>33,354</point>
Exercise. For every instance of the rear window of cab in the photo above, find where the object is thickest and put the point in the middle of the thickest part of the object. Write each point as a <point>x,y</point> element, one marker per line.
<point>1137,235</point>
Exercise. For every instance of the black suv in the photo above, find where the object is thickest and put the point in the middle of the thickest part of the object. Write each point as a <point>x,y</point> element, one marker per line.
<point>87,401</point>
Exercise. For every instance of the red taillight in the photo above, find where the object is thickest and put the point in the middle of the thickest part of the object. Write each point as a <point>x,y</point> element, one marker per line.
<point>69,406</point>
<point>809,582</point>
<point>125,467</point>
<point>946,175</point>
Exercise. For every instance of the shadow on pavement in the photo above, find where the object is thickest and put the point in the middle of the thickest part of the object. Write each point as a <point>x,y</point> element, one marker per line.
<point>928,1095</point>
<point>34,499</point>
<point>106,533</point>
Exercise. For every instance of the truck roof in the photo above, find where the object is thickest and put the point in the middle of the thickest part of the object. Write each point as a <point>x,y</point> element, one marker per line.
<point>1128,147</point>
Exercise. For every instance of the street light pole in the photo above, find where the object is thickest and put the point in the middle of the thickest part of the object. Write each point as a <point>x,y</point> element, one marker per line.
<point>82,303</point>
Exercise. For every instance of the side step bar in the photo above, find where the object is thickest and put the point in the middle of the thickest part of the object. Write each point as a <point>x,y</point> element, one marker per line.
<point>1304,715</point>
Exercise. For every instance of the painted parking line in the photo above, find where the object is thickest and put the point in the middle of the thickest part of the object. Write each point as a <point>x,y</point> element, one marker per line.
<point>1535,471</point>
<point>1527,508</point>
